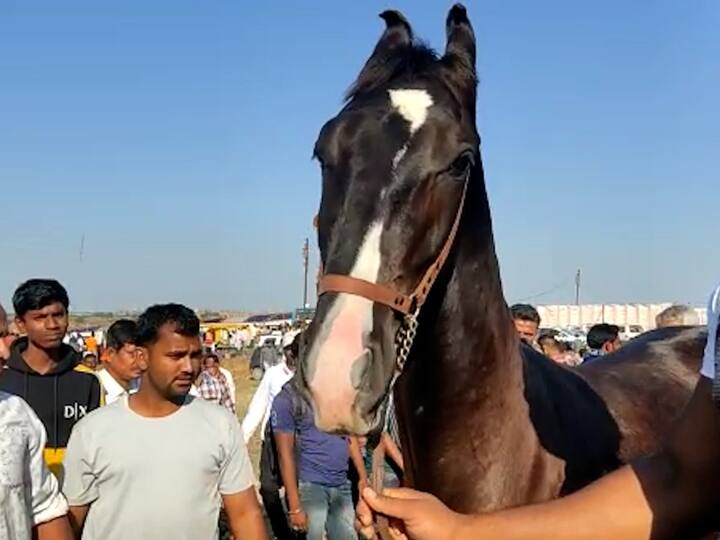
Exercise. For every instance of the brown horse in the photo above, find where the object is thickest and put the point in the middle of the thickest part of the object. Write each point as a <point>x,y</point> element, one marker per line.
<point>486,423</point>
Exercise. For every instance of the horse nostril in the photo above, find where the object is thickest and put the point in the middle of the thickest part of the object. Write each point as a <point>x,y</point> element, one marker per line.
<point>359,369</point>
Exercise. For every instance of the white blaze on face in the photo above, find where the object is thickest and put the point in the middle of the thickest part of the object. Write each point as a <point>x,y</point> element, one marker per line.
<point>341,340</point>
<point>412,105</point>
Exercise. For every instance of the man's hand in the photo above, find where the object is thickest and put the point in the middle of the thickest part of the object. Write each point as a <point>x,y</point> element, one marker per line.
<point>417,516</point>
<point>364,518</point>
<point>298,521</point>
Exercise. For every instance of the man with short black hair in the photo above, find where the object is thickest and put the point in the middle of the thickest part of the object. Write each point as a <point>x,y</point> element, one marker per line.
<point>46,372</point>
<point>159,463</point>
<point>527,322</point>
<point>121,373</point>
<point>602,339</point>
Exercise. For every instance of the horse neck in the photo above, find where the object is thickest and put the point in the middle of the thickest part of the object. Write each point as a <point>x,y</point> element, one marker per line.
<point>470,330</point>
<point>464,382</point>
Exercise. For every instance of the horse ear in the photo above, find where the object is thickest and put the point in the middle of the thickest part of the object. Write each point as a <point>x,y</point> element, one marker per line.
<point>460,49</point>
<point>396,36</point>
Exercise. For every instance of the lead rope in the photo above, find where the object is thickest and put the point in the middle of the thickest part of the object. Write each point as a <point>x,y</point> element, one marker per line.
<point>403,343</point>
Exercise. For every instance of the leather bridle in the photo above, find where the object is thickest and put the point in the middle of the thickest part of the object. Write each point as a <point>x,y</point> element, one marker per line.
<point>405,304</point>
<point>409,306</point>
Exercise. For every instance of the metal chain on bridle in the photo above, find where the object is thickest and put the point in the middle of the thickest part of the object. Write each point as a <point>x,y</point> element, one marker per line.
<point>404,339</point>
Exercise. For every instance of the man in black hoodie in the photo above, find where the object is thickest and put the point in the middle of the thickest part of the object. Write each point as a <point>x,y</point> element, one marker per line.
<point>44,371</point>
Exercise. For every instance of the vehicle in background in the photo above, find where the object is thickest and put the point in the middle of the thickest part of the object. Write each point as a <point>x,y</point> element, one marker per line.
<point>566,336</point>
<point>630,331</point>
<point>266,354</point>
<point>273,338</point>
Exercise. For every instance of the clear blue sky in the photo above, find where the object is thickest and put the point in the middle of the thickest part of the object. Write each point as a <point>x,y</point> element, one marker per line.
<point>176,137</point>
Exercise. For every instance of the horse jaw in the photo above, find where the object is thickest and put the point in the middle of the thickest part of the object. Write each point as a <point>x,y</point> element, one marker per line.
<point>340,357</point>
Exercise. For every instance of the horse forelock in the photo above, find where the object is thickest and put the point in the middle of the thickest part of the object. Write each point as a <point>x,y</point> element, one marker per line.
<point>403,65</point>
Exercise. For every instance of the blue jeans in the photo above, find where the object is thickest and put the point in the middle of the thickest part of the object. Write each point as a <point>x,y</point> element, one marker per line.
<point>328,509</point>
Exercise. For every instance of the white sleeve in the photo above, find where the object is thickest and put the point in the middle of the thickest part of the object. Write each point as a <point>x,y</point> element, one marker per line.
<point>713,313</point>
<point>46,501</point>
<point>257,408</point>
<point>80,483</point>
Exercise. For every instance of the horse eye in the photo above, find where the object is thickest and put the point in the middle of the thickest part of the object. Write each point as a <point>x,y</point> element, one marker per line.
<point>462,164</point>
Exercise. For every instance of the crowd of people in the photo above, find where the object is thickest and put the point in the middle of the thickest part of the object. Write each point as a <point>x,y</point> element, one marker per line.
<point>602,338</point>
<point>146,442</point>
<point>150,445</point>
<point>147,447</point>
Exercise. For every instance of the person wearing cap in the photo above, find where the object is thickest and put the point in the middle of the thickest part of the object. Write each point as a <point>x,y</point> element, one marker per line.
<point>672,494</point>
<point>257,415</point>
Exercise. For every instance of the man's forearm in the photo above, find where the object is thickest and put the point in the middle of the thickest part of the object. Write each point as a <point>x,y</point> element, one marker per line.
<point>615,507</point>
<point>250,527</point>
<point>244,515</point>
<point>56,529</point>
<point>288,471</point>
<point>76,516</point>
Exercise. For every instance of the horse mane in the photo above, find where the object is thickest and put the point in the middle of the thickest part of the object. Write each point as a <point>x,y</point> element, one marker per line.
<point>404,63</point>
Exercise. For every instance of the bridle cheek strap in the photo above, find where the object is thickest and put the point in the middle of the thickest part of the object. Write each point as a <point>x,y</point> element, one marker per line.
<point>405,304</point>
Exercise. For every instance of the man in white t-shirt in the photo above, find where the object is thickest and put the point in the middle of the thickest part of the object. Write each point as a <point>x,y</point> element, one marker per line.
<point>159,464</point>
<point>31,505</point>
<point>674,494</point>
<point>121,374</point>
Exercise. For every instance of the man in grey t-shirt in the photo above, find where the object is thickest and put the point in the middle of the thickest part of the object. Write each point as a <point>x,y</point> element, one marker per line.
<point>159,463</point>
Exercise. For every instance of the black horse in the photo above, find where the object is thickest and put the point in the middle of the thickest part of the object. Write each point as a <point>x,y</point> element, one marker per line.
<point>485,422</point>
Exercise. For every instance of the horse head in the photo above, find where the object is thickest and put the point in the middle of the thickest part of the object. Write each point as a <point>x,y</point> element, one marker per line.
<point>395,166</point>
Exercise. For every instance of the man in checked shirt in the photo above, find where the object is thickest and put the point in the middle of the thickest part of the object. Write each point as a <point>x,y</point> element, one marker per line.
<point>211,384</point>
